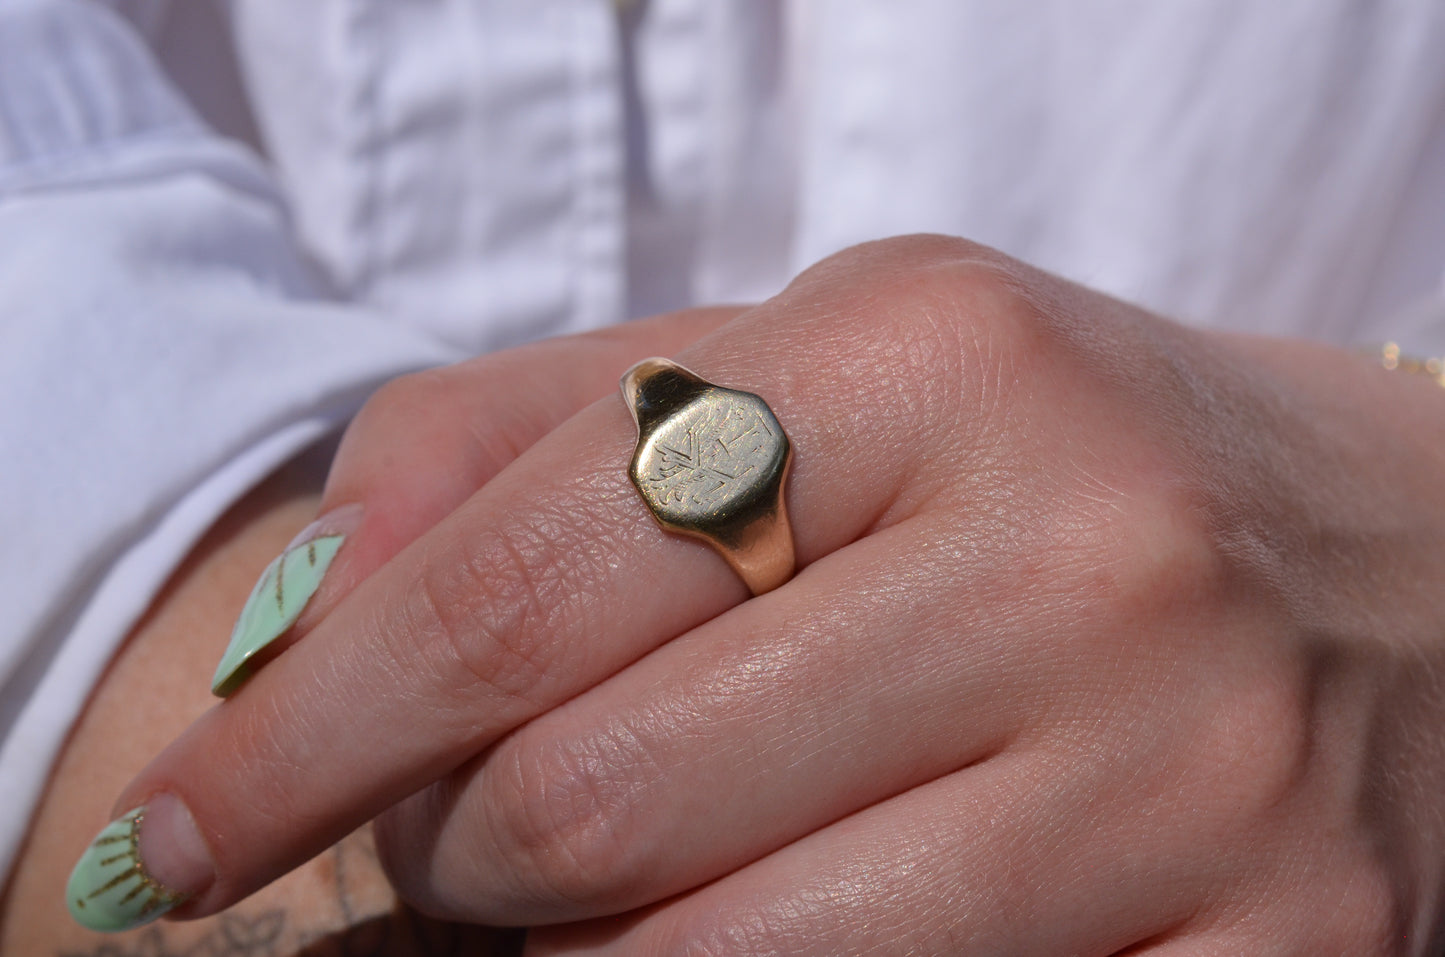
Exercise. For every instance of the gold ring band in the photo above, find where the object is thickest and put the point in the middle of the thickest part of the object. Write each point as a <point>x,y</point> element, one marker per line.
<point>712,463</point>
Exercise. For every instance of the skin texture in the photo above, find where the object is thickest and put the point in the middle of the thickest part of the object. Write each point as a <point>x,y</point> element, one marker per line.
<point>1109,637</point>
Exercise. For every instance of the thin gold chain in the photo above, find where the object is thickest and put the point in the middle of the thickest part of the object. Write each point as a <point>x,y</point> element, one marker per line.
<point>1391,357</point>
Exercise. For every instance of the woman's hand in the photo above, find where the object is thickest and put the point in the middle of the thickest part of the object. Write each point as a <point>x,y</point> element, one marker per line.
<point>1107,634</point>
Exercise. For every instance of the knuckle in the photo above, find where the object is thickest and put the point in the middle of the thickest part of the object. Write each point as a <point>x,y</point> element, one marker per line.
<point>1088,536</point>
<point>895,253</point>
<point>901,284</point>
<point>569,814</point>
<point>1244,759</point>
<point>1364,912</point>
<point>937,308</point>
<point>1149,552</point>
<point>1373,913</point>
<point>489,619</point>
<point>1245,730</point>
<point>926,309</point>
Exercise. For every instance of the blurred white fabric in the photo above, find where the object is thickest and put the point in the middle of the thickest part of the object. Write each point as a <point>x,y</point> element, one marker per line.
<point>223,223</point>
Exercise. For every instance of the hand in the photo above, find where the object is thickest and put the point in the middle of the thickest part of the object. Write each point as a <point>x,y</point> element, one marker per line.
<point>1108,634</point>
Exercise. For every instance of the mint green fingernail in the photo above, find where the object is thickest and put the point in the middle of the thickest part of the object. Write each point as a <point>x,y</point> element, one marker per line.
<point>109,888</point>
<point>276,602</point>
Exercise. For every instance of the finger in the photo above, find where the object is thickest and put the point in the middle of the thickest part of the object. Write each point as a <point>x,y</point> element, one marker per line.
<point>429,440</point>
<point>551,578</point>
<point>1117,806</point>
<point>417,450</point>
<point>972,863</point>
<point>783,715</point>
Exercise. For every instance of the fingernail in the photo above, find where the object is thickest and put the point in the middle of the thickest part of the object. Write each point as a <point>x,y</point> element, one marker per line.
<point>139,866</point>
<point>285,587</point>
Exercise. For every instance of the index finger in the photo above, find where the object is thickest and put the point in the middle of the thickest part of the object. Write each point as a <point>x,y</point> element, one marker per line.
<point>546,581</point>
<point>418,449</point>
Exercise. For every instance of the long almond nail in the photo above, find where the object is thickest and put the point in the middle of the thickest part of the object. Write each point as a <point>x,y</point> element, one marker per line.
<point>279,597</point>
<point>124,880</point>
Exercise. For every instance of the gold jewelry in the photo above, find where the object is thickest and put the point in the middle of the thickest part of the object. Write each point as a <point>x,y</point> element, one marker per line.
<point>712,463</point>
<point>1392,358</point>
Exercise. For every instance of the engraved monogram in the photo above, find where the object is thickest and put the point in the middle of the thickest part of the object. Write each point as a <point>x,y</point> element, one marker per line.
<point>716,451</point>
<point>711,463</point>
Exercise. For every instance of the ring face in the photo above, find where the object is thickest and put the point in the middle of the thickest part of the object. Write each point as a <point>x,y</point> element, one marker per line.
<point>712,463</point>
<point>710,459</point>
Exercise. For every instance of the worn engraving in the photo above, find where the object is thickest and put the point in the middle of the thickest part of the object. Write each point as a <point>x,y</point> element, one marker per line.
<point>709,455</point>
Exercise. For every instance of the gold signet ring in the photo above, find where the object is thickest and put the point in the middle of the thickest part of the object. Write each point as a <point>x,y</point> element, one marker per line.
<point>711,463</point>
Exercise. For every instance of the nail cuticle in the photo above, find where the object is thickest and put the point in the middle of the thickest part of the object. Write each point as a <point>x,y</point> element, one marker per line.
<point>110,888</point>
<point>342,520</point>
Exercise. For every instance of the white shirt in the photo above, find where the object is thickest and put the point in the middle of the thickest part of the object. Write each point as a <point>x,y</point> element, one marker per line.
<point>223,223</point>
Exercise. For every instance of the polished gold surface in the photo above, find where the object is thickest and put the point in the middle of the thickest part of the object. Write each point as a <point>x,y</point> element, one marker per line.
<point>711,463</point>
